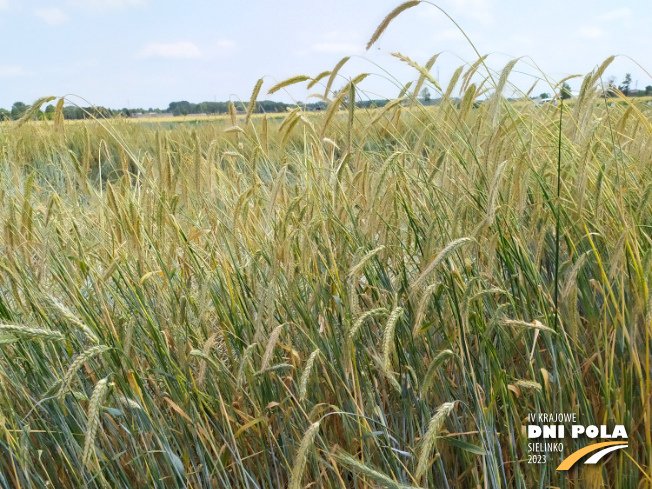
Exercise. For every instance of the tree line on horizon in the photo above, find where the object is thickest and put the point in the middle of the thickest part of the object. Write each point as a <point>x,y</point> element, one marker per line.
<point>181,108</point>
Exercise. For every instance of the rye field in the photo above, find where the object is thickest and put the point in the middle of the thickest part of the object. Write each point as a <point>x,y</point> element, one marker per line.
<point>357,298</point>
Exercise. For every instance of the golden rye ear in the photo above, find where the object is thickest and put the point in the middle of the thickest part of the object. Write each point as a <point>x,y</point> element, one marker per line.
<point>58,117</point>
<point>318,78</point>
<point>424,71</point>
<point>333,74</point>
<point>93,423</point>
<point>386,21</point>
<point>232,114</point>
<point>435,425</point>
<point>33,110</point>
<point>287,83</point>
<point>422,77</point>
<point>252,102</point>
<point>302,455</point>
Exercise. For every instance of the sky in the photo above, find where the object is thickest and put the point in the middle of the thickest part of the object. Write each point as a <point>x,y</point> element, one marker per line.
<point>147,53</point>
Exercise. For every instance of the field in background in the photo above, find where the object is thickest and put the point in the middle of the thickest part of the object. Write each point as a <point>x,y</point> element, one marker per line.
<point>193,118</point>
<point>355,298</point>
<point>180,119</point>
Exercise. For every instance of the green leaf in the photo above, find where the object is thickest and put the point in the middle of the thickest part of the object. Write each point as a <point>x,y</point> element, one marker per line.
<point>469,447</point>
<point>113,412</point>
<point>177,463</point>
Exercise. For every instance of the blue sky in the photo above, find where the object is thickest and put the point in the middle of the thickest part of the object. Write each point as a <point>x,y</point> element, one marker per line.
<point>146,53</point>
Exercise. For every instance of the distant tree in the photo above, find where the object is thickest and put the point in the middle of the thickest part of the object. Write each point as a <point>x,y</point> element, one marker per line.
<point>72,112</point>
<point>648,90</point>
<point>270,106</point>
<point>627,82</point>
<point>49,112</point>
<point>425,93</point>
<point>211,108</point>
<point>363,104</point>
<point>565,91</point>
<point>183,107</point>
<point>5,115</point>
<point>17,110</point>
<point>544,95</point>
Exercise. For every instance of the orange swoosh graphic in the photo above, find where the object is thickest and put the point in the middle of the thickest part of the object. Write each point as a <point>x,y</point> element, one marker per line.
<point>575,456</point>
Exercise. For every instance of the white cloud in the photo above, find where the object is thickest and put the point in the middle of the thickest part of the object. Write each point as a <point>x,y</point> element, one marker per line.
<point>11,71</point>
<point>171,50</point>
<point>338,47</point>
<point>52,16</point>
<point>225,43</point>
<point>105,4</point>
<point>591,32</point>
<point>615,14</point>
<point>219,49</point>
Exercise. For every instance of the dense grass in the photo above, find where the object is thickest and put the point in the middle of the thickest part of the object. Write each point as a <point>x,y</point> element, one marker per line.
<point>356,299</point>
